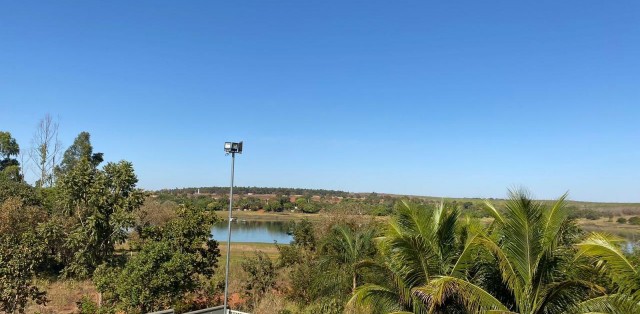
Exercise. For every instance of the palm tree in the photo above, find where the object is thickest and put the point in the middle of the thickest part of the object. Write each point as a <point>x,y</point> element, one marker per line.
<point>347,247</point>
<point>420,244</point>
<point>525,263</point>
<point>530,245</point>
<point>328,275</point>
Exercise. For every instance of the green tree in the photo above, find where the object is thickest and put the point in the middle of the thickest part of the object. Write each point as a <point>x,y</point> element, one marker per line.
<point>81,149</point>
<point>21,190</point>
<point>304,235</point>
<point>21,251</point>
<point>172,262</point>
<point>345,248</point>
<point>261,275</point>
<point>273,206</point>
<point>102,202</point>
<point>9,150</point>
<point>310,208</point>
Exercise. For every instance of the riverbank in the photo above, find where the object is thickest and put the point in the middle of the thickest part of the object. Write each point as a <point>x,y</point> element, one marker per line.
<point>271,216</point>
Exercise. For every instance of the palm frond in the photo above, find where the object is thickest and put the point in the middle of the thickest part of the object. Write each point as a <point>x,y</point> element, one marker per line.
<point>554,218</point>
<point>493,212</point>
<point>610,304</point>
<point>442,289</point>
<point>383,299</point>
<point>619,267</point>
<point>466,257</point>
<point>559,296</point>
<point>509,275</point>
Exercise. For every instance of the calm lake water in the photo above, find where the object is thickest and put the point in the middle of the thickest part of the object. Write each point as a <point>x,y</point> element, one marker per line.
<point>270,231</point>
<point>253,231</point>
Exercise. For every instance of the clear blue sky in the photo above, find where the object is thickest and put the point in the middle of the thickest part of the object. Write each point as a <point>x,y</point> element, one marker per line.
<point>446,98</point>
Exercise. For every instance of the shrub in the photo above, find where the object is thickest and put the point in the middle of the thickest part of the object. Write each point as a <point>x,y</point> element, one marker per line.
<point>585,213</point>
<point>635,220</point>
<point>621,220</point>
<point>261,274</point>
<point>172,260</point>
<point>87,306</point>
<point>310,208</point>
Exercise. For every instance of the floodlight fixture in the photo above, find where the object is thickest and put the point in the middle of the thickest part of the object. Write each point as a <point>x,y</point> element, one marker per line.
<point>233,148</point>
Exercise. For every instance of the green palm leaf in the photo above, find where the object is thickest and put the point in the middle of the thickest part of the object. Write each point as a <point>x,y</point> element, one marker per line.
<point>445,288</point>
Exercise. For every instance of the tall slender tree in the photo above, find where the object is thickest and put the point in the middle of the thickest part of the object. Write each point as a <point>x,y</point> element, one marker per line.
<point>45,150</point>
<point>9,151</point>
<point>346,247</point>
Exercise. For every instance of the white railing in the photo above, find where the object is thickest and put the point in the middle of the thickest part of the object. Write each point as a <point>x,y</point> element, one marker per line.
<point>211,310</point>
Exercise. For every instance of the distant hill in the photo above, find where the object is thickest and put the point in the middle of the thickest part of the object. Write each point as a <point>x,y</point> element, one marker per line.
<point>255,190</point>
<point>624,208</point>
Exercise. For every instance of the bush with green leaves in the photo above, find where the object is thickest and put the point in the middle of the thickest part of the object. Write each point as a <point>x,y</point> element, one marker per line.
<point>171,265</point>
<point>261,275</point>
<point>635,220</point>
<point>102,202</point>
<point>21,252</point>
<point>589,214</point>
<point>87,306</point>
<point>322,268</point>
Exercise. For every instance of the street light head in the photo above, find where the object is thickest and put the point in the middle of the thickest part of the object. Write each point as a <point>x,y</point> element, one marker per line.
<point>232,147</point>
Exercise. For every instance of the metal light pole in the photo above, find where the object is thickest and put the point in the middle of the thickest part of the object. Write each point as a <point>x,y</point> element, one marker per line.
<point>230,148</point>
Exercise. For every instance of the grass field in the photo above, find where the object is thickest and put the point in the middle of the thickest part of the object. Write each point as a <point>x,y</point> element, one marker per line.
<point>270,216</point>
<point>630,232</point>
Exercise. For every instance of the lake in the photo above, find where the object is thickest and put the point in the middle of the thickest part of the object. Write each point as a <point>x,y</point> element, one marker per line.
<point>253,231</point>
<point>270,231</point>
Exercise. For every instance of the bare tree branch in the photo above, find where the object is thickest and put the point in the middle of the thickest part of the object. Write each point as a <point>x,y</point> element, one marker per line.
<point>45,150</point>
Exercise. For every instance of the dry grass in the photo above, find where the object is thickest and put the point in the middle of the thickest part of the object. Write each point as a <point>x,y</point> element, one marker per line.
<point>603,225</point>
<point>63,295</point>
<point>270,216</point>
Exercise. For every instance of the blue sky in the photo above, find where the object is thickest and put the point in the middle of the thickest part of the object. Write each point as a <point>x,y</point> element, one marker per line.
<point>454,99</point>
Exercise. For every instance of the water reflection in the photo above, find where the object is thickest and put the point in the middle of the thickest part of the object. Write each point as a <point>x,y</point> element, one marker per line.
<point>254,231</point>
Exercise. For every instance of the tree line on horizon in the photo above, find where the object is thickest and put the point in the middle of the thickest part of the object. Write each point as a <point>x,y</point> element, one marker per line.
<point>362,204</point>
<point>221,190</point>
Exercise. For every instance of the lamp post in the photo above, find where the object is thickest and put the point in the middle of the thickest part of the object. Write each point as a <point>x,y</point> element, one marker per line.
<point>230,148</point>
